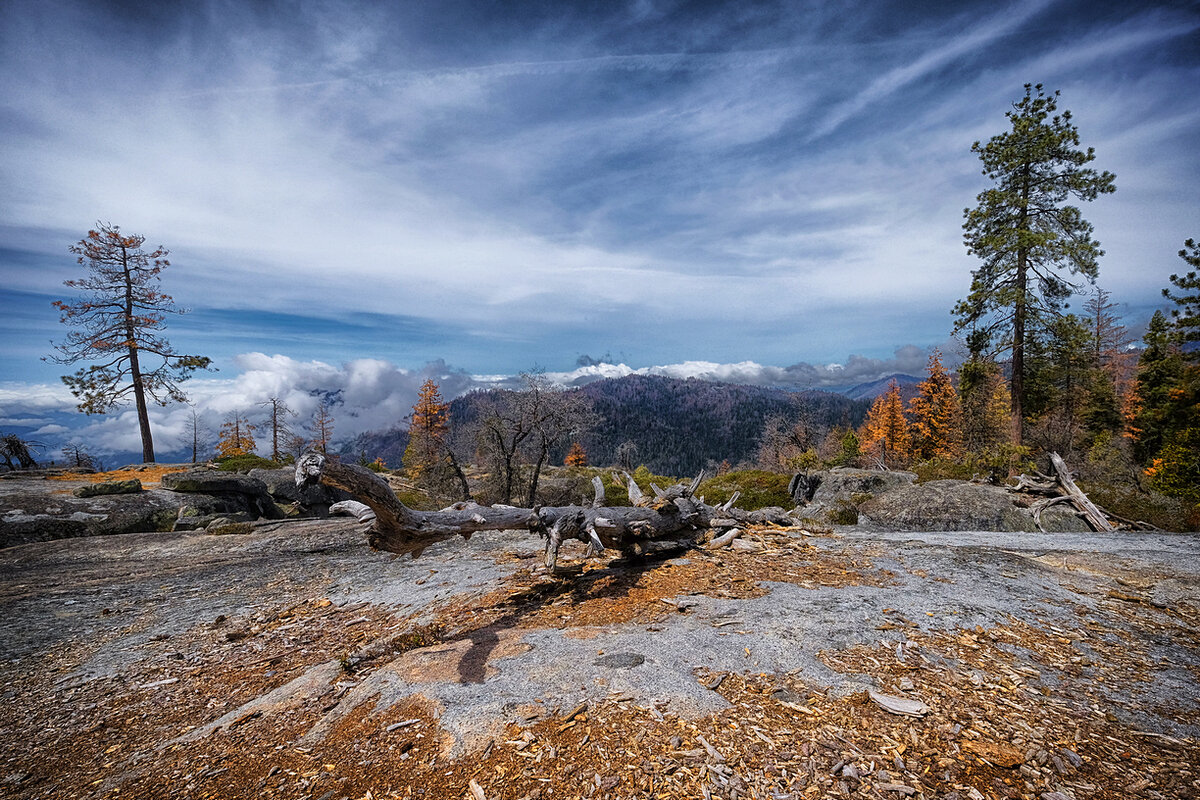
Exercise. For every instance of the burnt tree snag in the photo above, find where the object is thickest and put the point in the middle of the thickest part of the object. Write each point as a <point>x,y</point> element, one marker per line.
<point>673,519</point>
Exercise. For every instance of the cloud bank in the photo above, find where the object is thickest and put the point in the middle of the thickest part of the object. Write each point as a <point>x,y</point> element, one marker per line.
<point>365,395</point>
<point>772,183</point>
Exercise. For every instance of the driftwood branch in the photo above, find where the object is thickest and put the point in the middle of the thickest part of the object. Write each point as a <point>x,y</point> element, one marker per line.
<point>1092,514</point>
<point>673,519</point>
<point>1061,488</point>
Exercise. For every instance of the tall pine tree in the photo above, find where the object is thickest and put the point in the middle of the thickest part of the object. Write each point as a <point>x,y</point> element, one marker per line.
<point>1187,315</point>
<point>1028,239</point>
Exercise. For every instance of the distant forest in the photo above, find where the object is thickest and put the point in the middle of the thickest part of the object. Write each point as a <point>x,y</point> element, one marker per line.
<point>678,427</point>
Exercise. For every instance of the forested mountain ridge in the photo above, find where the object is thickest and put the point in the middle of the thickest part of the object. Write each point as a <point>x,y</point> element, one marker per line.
<point>872,389</point>
<point>681,426</point>
<point>677,427</point>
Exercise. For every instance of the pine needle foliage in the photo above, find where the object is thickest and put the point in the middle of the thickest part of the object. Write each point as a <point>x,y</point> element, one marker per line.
<point>576,456</point>
<point>117,323</point>
<point>936,415</point>
<point>885,434</point>
<point>236,437</point>
<point>1029,240</point>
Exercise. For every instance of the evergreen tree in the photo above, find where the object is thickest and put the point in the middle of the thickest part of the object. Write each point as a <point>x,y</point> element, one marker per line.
<point>1110,339</point>
<point>117,324</point>
<point>1102,410</point>
<point>1187,316</point>
<point>1160,372</point>
<point>986,414</point>
<point>936,415</point>
<point>1027,237</point>
<point>885,434</point>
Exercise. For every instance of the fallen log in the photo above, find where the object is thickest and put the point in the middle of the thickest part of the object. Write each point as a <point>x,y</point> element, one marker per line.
<point>1061,488</point>
<point>673,519</point>
<point>1092,514</point>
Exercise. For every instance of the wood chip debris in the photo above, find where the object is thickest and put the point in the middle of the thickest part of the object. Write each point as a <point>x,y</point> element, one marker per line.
<point>906,706</point>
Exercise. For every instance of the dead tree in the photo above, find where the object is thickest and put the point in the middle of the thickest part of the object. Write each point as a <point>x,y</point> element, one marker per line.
<point>13,446</point>
<point>673,519</point>
<point>1061,489</point>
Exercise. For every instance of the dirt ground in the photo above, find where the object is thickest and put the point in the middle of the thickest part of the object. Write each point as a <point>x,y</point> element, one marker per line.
<point>294,662</point>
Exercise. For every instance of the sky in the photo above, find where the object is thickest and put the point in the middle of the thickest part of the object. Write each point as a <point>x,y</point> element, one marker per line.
<point>357,196</point>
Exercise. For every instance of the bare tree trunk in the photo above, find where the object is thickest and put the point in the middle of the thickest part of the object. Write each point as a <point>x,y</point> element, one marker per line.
<point>537,474</point>
<point>458,473</point>
<point>135,371</point>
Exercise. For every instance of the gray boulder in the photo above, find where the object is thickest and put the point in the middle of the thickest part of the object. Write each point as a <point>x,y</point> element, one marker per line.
<point>207,482</point>
<point>281,485</point>
<point>841,483</point>
<point>248,494</point>
<point>131,486</point>
<point>946,505</point>
<point>834,495</point>
<point>37,514</point>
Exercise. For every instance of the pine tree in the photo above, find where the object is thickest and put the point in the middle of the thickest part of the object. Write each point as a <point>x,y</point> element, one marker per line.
<point>885,433</point>
<point>984,396</point>
<point>1187,316</point>
<point>936,415</point>
<point>1025,235</point>
<point>1110,339</point>
<point>1160,373</point>
<point>1068,377</point>
<point>118,324</point>
<point>236,437</point>
<point>576,456</point>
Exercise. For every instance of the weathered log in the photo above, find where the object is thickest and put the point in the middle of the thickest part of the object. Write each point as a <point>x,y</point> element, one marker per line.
<point>361,511</point>
<point>1092,514</point>
<point>673,519</point>
<point>1060,488</point>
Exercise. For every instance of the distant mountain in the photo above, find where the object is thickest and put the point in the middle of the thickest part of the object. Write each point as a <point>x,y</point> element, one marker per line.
<point>872,389</point>
<point>388,445</point>
<point>679,426</point>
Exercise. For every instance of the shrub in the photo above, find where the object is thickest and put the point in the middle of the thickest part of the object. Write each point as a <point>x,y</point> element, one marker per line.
<point>1176,470</point>
<point>845,513</point>
<point>936,469</point>
<point>1168,513</point>
<point>759,489</point>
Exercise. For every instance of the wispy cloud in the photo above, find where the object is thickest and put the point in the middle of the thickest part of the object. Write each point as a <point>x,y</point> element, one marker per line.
<point>389,182</point>
<point>954,44</point>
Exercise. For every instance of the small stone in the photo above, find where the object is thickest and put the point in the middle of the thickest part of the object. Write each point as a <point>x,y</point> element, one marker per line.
<point>620,660</point>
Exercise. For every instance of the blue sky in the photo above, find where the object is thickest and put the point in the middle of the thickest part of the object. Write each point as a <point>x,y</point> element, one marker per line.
<point>475,188</point>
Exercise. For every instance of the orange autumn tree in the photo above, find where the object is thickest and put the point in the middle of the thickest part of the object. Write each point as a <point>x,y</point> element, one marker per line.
<point>885,434</point>
<point>236,437</point>
<point>427,434</point>
<point>936,415</point>
<point>576,456</point>
<point>321,427</point>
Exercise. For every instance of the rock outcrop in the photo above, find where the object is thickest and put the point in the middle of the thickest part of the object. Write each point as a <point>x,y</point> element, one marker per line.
<point>834,495</point>
<point>951,505</point>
